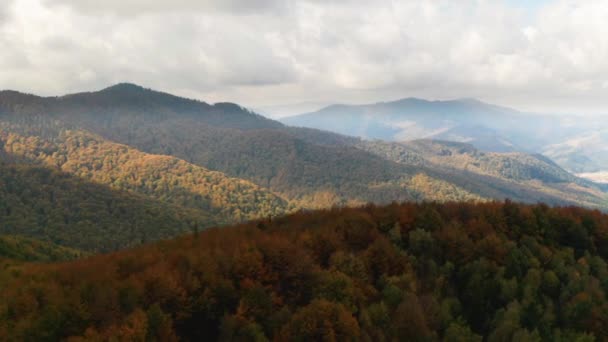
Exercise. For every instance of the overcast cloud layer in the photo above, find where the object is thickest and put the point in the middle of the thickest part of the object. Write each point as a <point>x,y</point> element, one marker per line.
<point>263,53</point>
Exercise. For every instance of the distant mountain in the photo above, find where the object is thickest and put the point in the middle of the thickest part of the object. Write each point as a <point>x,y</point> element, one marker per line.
<point>575,143</point>
<point>132,130</point>
<point>464,120</point>
<point>489,127</point>
<point>519,174</point>
<point>584,153</point>
<point>515,165</point>
<point>485,138</point>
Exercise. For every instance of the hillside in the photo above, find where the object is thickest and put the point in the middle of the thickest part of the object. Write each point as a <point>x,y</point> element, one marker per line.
<point>108,105</point>
<point>56,207</point>
<point>585,153</point>
<point>22,248</point>
<point>452,272</point>
<point>522,175</point>
<point>224,138</point>
<point>573,142</point>
<point>515,166</point>
<point>293,167</point>
<point>164,178</point>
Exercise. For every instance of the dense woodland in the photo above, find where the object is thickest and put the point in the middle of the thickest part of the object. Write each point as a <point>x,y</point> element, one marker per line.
<point>417,272</point>
<point>22,248</point>
<point>60,208</point>
<point>126,166</point>
<point>160,177</point>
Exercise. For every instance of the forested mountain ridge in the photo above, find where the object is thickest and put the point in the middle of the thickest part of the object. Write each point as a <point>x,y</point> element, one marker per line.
<point>53,206</point>
<point>309,168</point>
<point>513,165</point>
<point>512,171</point>
<point>108,104</point>
<point>574,142</point>
<point>416,272</point>
<point>582,153</point>
<point>256,149</point>
<point>164,178</point>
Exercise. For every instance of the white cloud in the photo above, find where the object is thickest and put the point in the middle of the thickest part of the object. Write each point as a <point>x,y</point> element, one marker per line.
<point>270,52</point>
<point>139,7</point>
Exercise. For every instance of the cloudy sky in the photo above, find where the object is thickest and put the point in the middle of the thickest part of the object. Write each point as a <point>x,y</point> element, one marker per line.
<point>280,55</point>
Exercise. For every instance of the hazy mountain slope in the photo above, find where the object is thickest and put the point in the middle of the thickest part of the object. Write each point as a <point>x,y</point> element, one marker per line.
<point>486,138</point>
<point>405,119</point>
<point>488,127</point>
<point>531,171</point>
<point>516,166</point>
<point>522,176</point>
<point>413,272</point>
<point>45,204</point>
<point>584,153</point>
<point>574,142</point>
<point>165,178</point>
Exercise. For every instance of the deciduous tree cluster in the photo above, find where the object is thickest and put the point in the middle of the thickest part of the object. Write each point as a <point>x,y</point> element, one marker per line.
<point>416,272</point>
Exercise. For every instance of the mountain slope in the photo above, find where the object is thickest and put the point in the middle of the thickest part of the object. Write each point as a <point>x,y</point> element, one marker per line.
<point>488,127</point>
<point>164,178</point>
<point>259,150</point>
<point>408,119</point>
<point>51,206</point>
<point>22,248</point>
<point>222,137</point>
<point>414,272</point>
<point>522,176</point>
<point>309,168</point>
<point>583,153</point>
<point>517,166</point>
<point>108,105</point>
<point>573,142</point>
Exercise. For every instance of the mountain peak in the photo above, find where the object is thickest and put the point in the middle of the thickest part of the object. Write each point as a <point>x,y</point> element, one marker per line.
<point>12,97</point>
<point>411,100</point>
<point>124,86</point>
<point>416,100</point>
<point>8,92</point>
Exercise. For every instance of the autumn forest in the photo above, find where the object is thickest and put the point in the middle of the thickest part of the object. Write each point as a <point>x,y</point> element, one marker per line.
<point>129,214</point>
<point>415,272</point>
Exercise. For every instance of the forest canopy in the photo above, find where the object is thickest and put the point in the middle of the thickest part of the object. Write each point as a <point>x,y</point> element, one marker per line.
<point>420,272</point>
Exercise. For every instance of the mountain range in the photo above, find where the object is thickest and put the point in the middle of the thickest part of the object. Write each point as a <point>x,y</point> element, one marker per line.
<point>217,164</point>
<point>575,143</point>
<point>275,232</point>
